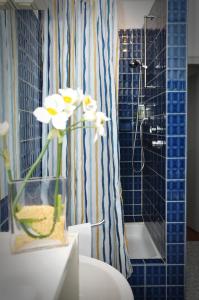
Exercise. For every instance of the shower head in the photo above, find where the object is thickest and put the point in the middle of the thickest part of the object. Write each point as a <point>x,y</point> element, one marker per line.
<point>136,63</point>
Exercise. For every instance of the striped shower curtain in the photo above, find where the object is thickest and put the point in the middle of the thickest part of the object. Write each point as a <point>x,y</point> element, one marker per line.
<point>80,50</point>
<point>9,91</point>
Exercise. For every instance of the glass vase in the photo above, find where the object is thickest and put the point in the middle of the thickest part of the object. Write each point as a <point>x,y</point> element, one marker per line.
<point>37,214</point>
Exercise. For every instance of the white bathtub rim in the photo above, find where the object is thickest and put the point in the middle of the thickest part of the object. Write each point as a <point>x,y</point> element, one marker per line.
<point>130,234</point>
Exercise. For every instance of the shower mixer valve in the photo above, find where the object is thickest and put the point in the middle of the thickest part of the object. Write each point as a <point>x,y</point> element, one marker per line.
<point>155,129</point>
<point>158,144</point>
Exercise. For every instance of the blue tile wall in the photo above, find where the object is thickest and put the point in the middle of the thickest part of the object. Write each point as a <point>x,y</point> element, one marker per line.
<point>29,95</point>
<point>130,48</point>
<point>164,175</point>
<point>176,122</point>
<point>154,129</point>
<point>30,87</point>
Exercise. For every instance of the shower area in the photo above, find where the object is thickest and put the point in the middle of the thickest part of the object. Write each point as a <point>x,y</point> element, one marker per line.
<point>152,116</point>
<point>152,135</point>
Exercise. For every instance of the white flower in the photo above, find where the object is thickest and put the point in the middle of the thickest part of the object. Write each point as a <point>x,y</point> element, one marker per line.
<point>53,110</point>
<point>101,120</point>
<point>89,104</point>
<point>4,127</point>
<point>70,96</point>
<point>89,116</point>
<point>80,95</point>
<point>69,109</point>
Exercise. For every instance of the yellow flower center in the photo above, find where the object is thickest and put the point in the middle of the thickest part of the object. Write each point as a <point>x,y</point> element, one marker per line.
<point>52,111</point>
<point>68,99</point>
<point>87,100</point>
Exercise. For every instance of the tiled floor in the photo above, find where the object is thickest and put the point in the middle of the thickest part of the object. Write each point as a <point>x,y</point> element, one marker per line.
<point>192,271</point>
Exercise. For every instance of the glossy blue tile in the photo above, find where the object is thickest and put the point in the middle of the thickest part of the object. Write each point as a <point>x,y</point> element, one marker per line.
<point>155,275</point>
<point>138,219</point>
<point>175,168</point>
<point>128,209</point>
<point>176,190</point>
<point>176,124</point>
<point>175,253</point>
<point>175,211</point>
<point>175,293</point>
<point>156,293</point>
<point>175,232</point>
<point>137,278</point>
<point>137,209</point>
<point>127,183</point>
<point>177,34</point>
<point>176,147</point>
<point>176,102</point>
<point>139,292</point>
<point>135,262</point>
<point>175,275</point>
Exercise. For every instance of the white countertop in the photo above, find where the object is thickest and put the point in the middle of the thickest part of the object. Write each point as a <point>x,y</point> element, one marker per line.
<point>36,275</point>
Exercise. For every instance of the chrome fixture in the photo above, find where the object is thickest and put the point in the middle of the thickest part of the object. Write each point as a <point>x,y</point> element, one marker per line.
<point>98,224</point>
<point>158,144</point>
<point>156,129</point>
<point>140,119</point>
<point>151,86</point>
<point>136,63</point>
<point>145,52</point>
<point>141,112</point>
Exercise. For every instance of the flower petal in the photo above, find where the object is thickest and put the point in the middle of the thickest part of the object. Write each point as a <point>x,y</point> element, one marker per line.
<point>89,104</point>
<point>101,130</point>
<point>89,116</point>
<point>42,115</point>
<point>59,121</point>
<point>101,118</point>
<point>69,95</point>
<point>54,101</point>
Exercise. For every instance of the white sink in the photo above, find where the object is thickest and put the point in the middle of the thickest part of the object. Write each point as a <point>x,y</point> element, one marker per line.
<point>100,281</point>
<point>48,274</point>
<point>18,291</point>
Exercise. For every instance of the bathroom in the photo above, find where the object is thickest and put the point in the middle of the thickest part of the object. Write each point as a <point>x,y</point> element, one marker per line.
<point>132,179</point>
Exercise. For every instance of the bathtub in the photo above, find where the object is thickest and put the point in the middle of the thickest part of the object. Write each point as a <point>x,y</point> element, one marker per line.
<point>140,243</point>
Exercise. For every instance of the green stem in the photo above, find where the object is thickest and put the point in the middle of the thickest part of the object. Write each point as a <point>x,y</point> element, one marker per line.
<point>9,174</point>
<point>78,106</point>
<point>58,173</point>
<point>72,126</point>
<point>15,202</point>
<point>8,170</point>
<point>56,196</point>
<point>6,157</point>
<point>82,127</point>
<point>30,172</point>
<point>76,123</point>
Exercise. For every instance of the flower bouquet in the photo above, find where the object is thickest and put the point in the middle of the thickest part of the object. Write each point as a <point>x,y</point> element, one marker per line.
<point>38,205</point>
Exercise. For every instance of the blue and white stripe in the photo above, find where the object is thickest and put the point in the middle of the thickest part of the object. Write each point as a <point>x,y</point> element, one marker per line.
<point>80,50</point>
